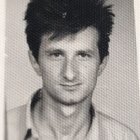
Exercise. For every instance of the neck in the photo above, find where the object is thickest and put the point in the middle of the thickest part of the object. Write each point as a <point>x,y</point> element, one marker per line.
<point>62,119</point>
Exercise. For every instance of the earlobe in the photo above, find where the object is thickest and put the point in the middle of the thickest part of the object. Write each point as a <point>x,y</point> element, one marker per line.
<point>103,65</point>
<point>34,63</point>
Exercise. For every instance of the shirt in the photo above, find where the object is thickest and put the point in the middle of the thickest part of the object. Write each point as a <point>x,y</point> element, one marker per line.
<point>20,125</point>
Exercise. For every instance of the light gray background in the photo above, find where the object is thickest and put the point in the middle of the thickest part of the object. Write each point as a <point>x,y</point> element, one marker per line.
<point>116,93</point>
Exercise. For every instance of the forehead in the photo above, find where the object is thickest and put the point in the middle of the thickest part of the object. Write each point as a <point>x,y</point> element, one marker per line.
<point>84,39</point>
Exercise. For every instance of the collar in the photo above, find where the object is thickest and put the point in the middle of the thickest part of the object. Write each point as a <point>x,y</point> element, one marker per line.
<point>31,132</point>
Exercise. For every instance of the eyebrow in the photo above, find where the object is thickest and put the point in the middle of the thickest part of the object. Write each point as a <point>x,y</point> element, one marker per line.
<point>54,50</point>
<point>77,51</point>
<point>87,51</point>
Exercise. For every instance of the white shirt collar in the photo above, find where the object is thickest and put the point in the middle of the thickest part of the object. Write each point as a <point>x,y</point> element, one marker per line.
<point>93,132</point>
<point>29,120</point>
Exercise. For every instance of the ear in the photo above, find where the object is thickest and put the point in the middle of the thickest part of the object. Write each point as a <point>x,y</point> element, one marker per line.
<point>34,63</point>
<point>103,65</point>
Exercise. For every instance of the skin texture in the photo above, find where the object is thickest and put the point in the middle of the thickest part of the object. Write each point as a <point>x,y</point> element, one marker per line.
<point>69,68</point>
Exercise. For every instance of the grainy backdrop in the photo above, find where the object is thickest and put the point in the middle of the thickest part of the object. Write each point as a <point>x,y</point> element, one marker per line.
<point>116,93</point>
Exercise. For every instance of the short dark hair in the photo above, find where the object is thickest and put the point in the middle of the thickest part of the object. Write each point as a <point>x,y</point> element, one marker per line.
<point>64,17</point>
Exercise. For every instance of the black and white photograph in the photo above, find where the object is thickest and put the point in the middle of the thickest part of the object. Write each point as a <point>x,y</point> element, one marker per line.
<point>71,70</point>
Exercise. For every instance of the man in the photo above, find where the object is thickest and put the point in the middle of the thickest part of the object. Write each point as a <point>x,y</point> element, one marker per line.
<point>68,47</point>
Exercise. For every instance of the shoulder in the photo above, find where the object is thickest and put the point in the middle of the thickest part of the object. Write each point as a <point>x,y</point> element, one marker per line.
<point>115,129</point>
<point>16,123</point>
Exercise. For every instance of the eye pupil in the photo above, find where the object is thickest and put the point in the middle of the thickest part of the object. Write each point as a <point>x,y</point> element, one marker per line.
<point>57,54</point>
<point>83,55</point>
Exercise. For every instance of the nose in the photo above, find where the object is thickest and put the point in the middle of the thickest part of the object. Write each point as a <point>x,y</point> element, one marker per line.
<point>69,70</point>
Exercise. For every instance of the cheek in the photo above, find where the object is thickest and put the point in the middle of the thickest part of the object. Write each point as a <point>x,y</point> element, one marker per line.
<point>50,71</point>
<point>88,71</point>
<point>89,77</point>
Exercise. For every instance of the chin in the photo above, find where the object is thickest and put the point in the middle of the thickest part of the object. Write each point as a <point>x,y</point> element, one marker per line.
<point>71,102</point>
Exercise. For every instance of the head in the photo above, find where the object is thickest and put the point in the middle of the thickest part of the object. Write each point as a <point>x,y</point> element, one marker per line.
<point>68,41</point>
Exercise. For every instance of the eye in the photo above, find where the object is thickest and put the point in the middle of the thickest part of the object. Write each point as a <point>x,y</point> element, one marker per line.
<point>55,55</point>
<point>84,55</point>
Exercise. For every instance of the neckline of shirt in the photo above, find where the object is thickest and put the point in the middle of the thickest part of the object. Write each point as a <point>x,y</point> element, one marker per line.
<point>31,130</point>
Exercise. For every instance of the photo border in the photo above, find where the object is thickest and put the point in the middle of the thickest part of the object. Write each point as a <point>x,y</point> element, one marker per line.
<point>3,56</point>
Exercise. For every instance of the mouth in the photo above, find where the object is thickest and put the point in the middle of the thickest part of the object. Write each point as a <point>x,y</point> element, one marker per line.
<point>70,87</point>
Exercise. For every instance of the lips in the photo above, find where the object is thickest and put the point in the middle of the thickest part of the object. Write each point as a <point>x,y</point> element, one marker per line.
<point>70,87</point>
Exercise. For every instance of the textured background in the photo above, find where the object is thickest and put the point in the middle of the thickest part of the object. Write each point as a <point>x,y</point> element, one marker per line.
<point>116,93</point>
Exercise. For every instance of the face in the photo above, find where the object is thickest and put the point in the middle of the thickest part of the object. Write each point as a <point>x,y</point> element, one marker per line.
<point>69,67</point>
